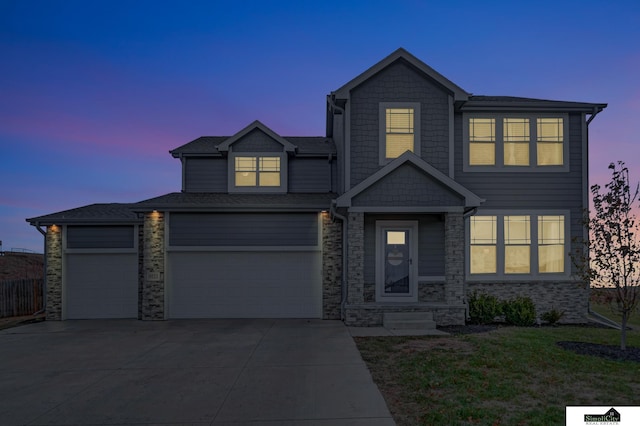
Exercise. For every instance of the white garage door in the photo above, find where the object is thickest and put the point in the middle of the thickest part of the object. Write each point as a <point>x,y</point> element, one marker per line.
<point>101,286</point>
<point>255,284</point>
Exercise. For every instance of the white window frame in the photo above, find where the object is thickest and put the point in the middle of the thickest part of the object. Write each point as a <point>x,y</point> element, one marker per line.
<point>500,247</point>
<point>232,188</point>
<point>382,120</point>
<point>499,165</point>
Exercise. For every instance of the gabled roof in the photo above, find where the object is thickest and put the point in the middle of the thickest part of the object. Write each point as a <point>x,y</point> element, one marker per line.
<point>93,213</point>
<point>470,199</point>
<point>458,93</point>
<point>257,125</point>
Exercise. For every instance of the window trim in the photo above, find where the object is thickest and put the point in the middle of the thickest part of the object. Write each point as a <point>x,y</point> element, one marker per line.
<point>382,136</point>
<point>500,167</point>
<point>533,275</point>
<point>231,173</point>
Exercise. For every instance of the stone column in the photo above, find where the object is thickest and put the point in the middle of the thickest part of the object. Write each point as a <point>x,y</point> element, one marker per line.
<point>331,267</point>
<point>53,243</point>
<point>355,277</point>
<point>454,259</point>
<point>153,267</point>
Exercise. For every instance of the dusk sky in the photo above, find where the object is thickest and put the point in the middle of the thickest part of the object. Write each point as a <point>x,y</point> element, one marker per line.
<point>93,94</point>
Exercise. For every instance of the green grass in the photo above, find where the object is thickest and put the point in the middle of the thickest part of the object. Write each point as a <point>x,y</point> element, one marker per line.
<point>510,376</point>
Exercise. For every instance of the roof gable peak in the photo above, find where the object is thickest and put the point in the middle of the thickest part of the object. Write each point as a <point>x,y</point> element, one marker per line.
<point>256,125</point>
<point>459,94</point>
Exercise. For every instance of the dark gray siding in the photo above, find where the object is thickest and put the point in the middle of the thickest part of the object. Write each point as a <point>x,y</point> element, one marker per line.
<point>243,229</point>
<point>257,141</point>
<point>207,174</point>
<point>99,237</point>
<point>400,82</point>
<point>430,244</point>
<point>309,175</point>
<point>407,186</point>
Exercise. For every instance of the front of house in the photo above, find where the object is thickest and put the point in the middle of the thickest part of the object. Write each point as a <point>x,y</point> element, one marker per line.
<point>418,194</point>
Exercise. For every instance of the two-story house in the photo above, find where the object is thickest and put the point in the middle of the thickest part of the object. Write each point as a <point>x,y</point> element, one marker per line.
<point>419,194</point>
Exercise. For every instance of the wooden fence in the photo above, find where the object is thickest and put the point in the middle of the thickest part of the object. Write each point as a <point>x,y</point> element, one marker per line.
<point>21,297</point>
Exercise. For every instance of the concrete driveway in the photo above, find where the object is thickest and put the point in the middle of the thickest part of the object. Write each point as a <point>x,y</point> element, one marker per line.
<point>189,372</point>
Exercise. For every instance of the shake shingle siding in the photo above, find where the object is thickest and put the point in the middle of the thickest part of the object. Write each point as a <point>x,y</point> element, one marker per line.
<point>400,82</point>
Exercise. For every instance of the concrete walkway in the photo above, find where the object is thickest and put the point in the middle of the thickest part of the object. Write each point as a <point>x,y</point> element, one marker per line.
<point>189,372</point>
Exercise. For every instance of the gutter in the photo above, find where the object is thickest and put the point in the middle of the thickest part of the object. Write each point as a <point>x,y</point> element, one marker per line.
<point>345,264</point>
<point>44,289</point>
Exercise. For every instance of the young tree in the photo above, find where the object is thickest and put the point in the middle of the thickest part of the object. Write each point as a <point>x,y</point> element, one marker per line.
<point>611,257</point>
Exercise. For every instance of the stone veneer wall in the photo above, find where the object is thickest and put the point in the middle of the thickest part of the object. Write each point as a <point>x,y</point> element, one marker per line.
<point>53,242</point>
<point>153,267</point>
<point>331,267</point>
<point>569,296</point>
<point>355,272</point>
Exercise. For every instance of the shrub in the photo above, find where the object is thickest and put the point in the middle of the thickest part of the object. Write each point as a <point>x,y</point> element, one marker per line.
<point>553,316</point>
<point>483,308</point>
<point>519,311</point>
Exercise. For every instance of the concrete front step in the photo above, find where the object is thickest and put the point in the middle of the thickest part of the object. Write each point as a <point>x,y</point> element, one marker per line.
<point>409,321</point>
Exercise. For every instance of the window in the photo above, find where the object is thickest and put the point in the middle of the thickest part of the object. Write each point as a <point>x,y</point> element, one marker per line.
<point>482,141</point>
<point>516,244</point>
<point>399,129</point>
<point>483,244</point>
<point>515,142</point>
<point>550,141</point>
<point>256,173</point>
<point>551,244</point>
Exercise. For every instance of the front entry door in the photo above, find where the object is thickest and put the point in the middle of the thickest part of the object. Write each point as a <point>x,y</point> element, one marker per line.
<point>396,260</point>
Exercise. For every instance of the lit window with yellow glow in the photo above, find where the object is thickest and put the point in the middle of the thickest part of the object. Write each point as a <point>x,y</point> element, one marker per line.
<point>517,244</point>
<point>257,171</point>
<point>550,143</point>
<point>482,141</point>
<point>400,133</point>
<point>516,141</point>
<point>483,251</point>
<point>551,250</point>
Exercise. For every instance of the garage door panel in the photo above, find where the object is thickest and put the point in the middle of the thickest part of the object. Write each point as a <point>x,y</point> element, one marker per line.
<point>245,284</point>
<point>101,286</point>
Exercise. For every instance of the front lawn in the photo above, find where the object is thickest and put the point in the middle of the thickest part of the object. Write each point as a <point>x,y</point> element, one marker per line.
<point>508,376</point>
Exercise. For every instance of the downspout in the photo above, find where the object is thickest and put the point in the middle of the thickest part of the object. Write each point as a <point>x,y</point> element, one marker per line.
<point>596,111</point>
<point>44,287</point>
<point>345,251</point>
<point>594,315</point>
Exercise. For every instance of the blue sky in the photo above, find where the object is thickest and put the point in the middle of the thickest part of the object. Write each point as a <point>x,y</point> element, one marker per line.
<point>93,94</point>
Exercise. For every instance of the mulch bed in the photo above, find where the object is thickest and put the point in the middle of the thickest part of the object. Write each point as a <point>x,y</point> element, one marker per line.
<point>612,352</point>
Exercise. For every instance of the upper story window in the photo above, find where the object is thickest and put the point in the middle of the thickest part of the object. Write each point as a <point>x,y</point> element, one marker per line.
<point>515,142</point>
<point>399,129</point>
<point>506,245</point>
<point>257,173</point>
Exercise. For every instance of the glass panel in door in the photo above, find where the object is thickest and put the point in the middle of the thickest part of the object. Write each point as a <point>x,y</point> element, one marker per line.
<point>397,261</point>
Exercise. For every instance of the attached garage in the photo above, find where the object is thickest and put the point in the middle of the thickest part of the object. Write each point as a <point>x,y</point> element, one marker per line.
<point>244,265</point>
<point>100,272</point>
